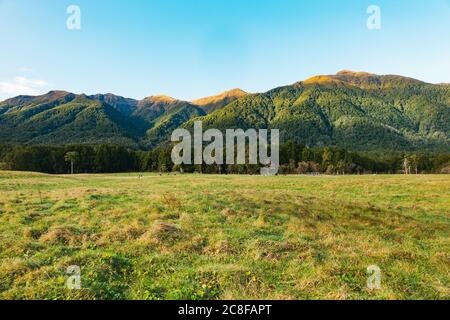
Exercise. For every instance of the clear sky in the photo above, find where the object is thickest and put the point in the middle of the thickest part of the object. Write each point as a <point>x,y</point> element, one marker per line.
<point>194,48</point>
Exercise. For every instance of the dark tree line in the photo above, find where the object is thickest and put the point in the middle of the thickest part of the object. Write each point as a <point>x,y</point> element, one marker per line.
<point>294,159</point>
<point>85,159</point>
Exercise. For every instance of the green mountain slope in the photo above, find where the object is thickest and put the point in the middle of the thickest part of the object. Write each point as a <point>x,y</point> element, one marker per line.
<point>81,120</point>
<point>172,119</point>
<point>354,110</point>
<point>162,115</point>
<point>63,118</point>
<point>124,105</point>
<point>359,111</point>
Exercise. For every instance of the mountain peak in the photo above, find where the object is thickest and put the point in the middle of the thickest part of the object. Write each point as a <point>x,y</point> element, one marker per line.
<point>353,73</point>
<point>320,79</point>
<point>160,99</point>
<point>362,79</point>
<point>341,76</point>
<point>55,94</point>
<point>233,93</point>
<point>213,103</point>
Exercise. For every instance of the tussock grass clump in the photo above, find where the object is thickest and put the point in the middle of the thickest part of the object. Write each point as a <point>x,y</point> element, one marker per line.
<point>227,212</point>
<point>61,235</point>
<point>34,232</point>
<point>121,233</point>
<point>13,267</point>
<point>221,247</point>
<point>171,201</point>
<point>162,233</point>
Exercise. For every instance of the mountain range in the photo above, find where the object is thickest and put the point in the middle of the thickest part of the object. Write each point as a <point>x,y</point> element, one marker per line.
<point>355,110</point>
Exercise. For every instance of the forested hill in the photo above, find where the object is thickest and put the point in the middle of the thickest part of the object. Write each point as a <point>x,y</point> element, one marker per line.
<point>358,111</point>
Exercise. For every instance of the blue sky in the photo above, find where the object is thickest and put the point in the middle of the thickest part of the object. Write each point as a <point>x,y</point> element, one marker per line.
<point>194,48</point>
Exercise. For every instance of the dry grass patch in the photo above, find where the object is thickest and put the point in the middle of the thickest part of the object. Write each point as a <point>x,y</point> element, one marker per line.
<point>227,212</point>
<point>62,235</point>
<point>162,233</point>
<point>121,233</point>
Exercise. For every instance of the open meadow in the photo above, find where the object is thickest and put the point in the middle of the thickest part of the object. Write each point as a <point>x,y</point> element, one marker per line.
<point>224,237</point>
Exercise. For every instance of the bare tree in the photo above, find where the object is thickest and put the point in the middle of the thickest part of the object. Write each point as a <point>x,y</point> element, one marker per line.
<point>71,157</point>
<point>406,166</point>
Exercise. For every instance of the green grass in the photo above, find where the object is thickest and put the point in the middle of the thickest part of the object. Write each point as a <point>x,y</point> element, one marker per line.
<point>224,237</point>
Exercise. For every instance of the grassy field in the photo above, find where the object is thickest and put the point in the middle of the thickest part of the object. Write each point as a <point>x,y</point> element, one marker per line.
<point>224,237</point>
